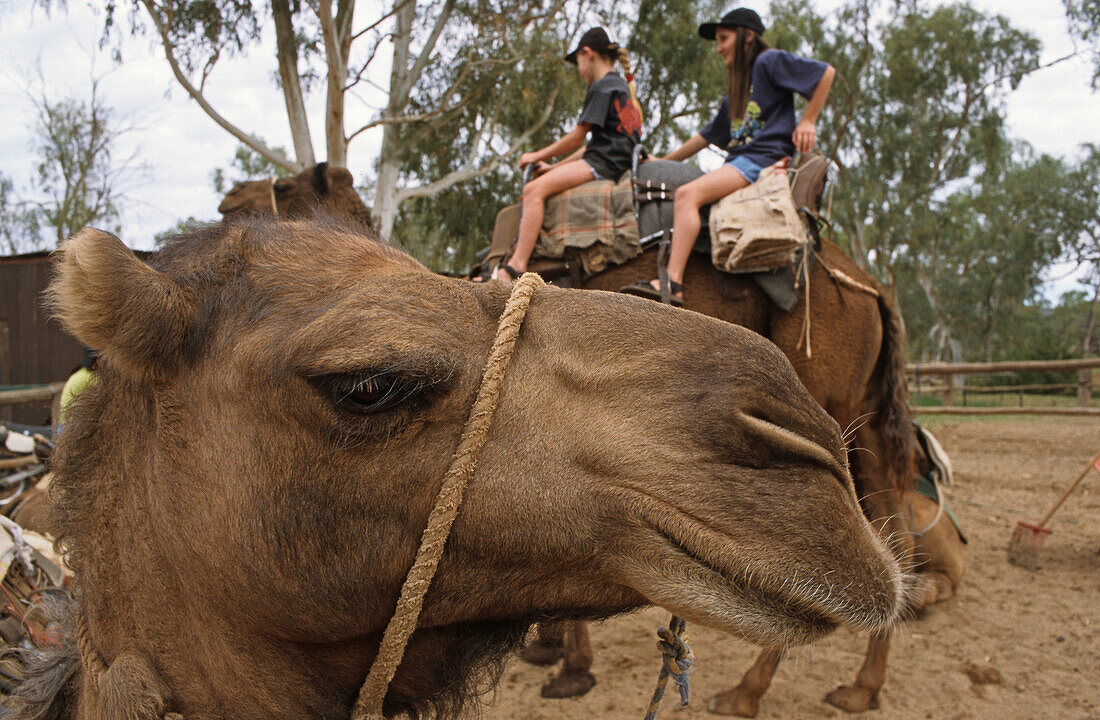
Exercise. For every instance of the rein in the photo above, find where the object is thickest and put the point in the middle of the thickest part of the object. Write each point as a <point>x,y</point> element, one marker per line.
<point>368,706</point>
<point>271,195</point>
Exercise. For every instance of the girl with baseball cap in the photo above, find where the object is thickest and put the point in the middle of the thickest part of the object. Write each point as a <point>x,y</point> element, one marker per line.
<point>611,114</point>
<point>755,124</point>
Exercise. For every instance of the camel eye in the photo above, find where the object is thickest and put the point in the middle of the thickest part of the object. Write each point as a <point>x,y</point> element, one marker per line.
<point>373,393</point>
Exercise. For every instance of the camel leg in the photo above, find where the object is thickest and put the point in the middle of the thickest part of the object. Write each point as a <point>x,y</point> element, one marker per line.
<point>744,700</point>
<point>884,508</point>
<point>863,693</point>
<point>575,678</point>
<point>547,647</point>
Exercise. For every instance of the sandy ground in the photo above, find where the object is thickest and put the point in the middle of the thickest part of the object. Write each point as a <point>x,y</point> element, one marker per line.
<point>1039,631</point>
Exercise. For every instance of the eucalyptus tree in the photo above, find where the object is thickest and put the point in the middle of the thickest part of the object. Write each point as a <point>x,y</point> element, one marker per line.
<point>457,73</point>
<point>78,177</point>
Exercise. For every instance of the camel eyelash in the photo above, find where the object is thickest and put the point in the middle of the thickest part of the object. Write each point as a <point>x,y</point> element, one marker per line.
<point>373,393</point>
<point>377,391</point>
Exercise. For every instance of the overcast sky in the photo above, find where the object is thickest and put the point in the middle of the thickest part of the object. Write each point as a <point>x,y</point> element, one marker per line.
<point>1054,109</point>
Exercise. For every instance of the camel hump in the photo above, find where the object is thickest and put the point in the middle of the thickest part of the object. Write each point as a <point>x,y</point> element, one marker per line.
<point>113,302</point>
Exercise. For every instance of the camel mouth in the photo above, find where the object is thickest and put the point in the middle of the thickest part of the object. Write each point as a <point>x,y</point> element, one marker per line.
<point>699,572</point>
<point>740,604</point>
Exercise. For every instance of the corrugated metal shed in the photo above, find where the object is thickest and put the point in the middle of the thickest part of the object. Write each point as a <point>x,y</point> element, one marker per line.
<point>33,349</point>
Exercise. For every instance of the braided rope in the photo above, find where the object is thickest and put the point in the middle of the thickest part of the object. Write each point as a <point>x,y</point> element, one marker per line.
<point>677,662</point>
<point>368,706</point>
<point>89,657</point>
<point>271,197</point>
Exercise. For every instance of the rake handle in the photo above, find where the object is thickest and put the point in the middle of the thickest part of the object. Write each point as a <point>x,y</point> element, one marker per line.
<point>1068,492</point>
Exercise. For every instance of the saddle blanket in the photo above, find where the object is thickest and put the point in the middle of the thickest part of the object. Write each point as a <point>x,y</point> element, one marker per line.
<point>594,220</point>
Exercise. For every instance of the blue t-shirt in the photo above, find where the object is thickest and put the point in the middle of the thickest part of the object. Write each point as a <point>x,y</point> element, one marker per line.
<point>764,134</point>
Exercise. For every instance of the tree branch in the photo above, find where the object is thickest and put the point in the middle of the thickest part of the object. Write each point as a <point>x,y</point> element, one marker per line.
<point>250,141</point>
<point>469,172</point>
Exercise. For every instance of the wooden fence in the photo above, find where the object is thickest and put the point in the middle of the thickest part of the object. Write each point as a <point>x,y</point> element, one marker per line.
<point>948,385</point>
<point>44,394</point>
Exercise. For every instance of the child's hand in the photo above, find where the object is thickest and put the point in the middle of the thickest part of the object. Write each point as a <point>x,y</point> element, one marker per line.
<point>805,136</point>
<point>526,159</point>
<point>539,167</point>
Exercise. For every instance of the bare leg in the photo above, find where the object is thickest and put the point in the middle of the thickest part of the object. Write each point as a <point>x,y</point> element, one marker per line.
<point>744,700</point>
<point>863,693</point>
<point>557,179</point>
<point>575,678</point>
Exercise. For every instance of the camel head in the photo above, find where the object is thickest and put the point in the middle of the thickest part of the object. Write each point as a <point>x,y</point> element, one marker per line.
<point>322,187</point>
<point>243,490</point>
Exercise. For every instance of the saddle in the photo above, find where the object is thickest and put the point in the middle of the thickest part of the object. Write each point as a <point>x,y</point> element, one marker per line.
<point>585,230</point>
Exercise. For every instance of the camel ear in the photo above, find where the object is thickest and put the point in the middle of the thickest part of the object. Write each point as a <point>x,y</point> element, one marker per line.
<point>114,303</point>
<point>340,177</point>
<point>320,178</point>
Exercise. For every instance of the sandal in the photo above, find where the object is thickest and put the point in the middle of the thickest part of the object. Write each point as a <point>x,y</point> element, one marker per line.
<point>645,289</point>
<point>515,274</point>
<point>486,276</point>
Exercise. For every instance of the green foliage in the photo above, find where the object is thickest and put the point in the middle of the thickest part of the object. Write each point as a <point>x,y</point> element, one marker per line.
<point>680,78</point>
<point>200,30</point>
<point>76,169</point>
<point>1084,24</point>
<point>20,224</point>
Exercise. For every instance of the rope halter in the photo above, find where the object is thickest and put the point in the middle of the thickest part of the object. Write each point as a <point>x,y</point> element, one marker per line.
<point>368,706</point>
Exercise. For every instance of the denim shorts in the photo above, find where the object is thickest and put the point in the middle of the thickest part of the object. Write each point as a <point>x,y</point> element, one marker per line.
<point>594,173</point>
<point>748,169</point>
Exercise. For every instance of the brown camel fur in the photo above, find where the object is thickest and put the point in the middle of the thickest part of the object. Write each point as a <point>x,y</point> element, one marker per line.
<point>242,492</point>
<point>322,187</point>
<point>856,372</point>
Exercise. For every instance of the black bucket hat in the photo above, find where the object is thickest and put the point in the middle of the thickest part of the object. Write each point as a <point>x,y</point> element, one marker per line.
<point>739,17</point>
<point>595,38</point>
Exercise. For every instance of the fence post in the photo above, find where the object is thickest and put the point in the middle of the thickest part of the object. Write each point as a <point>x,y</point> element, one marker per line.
<point>949,391</point>
<point>1084,387</point>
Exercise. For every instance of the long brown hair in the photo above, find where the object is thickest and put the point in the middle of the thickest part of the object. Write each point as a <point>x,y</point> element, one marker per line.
<point>741,71</point>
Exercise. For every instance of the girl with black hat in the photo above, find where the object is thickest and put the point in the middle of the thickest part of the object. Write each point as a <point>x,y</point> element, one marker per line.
<point>611,114</point>
<point>755,124</point>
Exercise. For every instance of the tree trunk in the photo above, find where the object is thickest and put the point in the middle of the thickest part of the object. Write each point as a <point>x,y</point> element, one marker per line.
<point>389,163</point>
<point>337,34</point>
<point>1090,324</point>
<point>389,173</point>
<point>287,55</point>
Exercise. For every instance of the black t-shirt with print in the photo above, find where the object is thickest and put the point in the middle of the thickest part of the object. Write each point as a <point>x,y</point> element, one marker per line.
<point>616,126</point>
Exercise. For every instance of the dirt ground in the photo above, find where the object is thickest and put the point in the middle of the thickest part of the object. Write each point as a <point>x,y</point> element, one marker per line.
<point>1040,631</point>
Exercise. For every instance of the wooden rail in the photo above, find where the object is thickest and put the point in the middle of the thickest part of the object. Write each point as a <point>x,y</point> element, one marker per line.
<point>951,410</point>
<point>31,394</point>
<point>948,371</point>
<point>942,368</point>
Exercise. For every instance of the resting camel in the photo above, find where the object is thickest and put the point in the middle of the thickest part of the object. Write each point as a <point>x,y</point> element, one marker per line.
<point>323,186</point>
<point>242,492</point>
<point>856,372</point>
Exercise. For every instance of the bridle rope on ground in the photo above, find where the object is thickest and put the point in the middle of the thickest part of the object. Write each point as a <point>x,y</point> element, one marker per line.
<point>677,662</point>
<point>369,704</point>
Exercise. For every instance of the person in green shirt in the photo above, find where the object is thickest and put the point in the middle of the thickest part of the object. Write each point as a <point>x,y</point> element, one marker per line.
<point>78,381</point>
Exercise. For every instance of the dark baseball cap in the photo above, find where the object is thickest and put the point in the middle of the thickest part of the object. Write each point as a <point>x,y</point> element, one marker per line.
<point>595,38</point>
<point>739,17</point>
